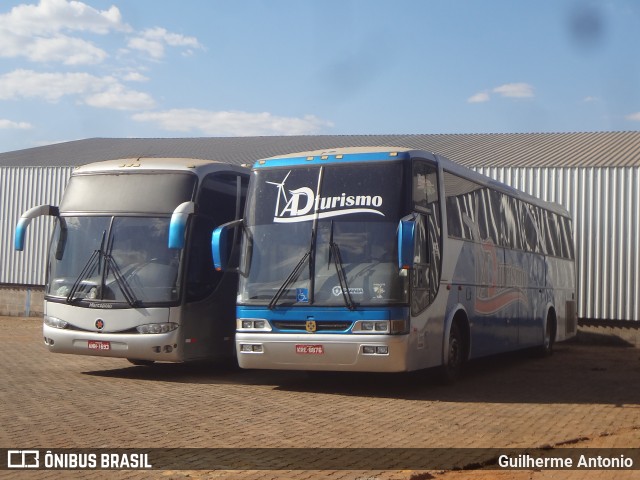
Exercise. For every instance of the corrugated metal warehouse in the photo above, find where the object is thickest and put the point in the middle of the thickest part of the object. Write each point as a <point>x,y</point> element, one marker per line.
<point>596,176</point>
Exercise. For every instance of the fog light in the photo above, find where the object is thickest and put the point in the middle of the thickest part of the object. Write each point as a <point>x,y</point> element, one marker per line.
<point>368,326</point>
<point>168,349</point>
<point>368,350</point>
<point>251,348</point>
<point>383,350</point>
<point>258,324</point>
<point>247,324</point>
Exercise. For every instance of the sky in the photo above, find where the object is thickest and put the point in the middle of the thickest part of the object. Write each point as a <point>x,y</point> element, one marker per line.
<point>71,70</point>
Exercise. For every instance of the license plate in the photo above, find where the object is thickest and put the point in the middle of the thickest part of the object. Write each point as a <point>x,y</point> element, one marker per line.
<point>310,349</point>
<point>99,345</point>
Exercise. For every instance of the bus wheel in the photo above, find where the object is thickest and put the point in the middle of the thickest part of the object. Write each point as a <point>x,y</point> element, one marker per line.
<point>455,355</point>
<point>141,363</point>
<point>546,348</point>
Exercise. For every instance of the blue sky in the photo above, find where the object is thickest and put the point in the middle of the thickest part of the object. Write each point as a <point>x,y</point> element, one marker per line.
<point>147,68</point>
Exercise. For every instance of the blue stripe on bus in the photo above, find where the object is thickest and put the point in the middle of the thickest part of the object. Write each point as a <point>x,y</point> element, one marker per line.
<point>322,313</point>
<point>331,158</point>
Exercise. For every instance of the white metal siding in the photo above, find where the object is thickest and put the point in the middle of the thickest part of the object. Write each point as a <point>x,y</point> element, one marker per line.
<point>20,189</point>
<point>605,206</point>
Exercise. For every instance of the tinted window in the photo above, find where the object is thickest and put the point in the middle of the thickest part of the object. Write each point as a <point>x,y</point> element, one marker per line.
<point>124,193</point>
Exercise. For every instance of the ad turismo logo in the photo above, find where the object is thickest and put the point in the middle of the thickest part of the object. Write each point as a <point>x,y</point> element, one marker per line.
<point>302,204</point>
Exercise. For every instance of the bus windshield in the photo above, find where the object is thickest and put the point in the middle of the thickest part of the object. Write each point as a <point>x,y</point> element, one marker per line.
<point>113,259</point>
<point>323,236</point>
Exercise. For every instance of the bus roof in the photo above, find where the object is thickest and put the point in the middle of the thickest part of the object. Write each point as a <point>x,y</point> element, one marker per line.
<point>346,154</point>
<point>363,154</point>
<point>152,164</point>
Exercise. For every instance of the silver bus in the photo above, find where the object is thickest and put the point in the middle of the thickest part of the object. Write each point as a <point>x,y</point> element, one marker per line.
<point>129,270</point>
<point>390,259</point>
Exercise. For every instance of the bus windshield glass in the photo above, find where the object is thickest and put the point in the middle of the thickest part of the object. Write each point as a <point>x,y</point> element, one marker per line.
<point>113,259</point>
<point>324,236</point>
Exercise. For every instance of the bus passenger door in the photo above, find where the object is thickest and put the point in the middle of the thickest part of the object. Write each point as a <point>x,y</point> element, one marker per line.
<point>420,290</point>
<point>425,275</point>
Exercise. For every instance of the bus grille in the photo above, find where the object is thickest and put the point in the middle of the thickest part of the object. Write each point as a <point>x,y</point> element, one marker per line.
<point>301,326</point>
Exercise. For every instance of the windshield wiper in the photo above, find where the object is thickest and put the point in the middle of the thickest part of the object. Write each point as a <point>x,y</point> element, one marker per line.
<point>126,289</point>
<point>88,269</point>
<point>292,276</point>
<point>334,251</point>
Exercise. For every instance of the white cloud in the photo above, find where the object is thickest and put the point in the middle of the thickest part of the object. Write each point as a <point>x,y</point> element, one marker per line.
<point>634,117</point>
<point>40,32</point>
<point>54,16</point>
<point>590,99</point>
<point>508,90</point>
<point>232,123</point>
<point>118,97</point>
<point>514,90</point>
<point>9,124</point>
<point>65,50</point>
<point>134,77</point>
<point>154,40</point>
<point>102,92</point>
<point>479,98</point>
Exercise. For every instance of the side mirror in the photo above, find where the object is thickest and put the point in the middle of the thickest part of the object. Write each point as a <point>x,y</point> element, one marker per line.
<point>178,224</point>
<point>25,220</point>
<point>221,245</point>
<point>406,240</point>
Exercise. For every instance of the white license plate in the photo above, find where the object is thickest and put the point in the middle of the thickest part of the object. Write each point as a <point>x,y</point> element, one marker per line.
<point>310,349</point>
<point>99,345</point>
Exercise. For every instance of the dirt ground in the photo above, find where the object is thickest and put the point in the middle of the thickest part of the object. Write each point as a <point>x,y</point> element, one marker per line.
<point>585,396</point>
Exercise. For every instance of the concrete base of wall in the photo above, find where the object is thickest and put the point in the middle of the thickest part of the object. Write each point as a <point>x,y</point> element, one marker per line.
<point>608,333</point>
<point>21,301</point>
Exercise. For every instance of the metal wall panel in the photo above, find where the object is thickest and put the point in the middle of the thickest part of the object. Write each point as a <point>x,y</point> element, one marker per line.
<point>605,206</point>
<point>20,189</point>
<point>604,203</point>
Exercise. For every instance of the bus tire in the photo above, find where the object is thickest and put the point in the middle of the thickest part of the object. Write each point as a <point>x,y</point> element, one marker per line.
<point>456,354</point>
<point>140,363</point>
<point>546,349</point>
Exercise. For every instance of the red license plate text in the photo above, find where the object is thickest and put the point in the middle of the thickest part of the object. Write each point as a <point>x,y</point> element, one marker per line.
<point>310,349</point>
<point>99,345</point>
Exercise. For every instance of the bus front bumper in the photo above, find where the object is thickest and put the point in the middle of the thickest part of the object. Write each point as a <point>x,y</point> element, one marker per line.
<point>348,352</point>
<point>161,347</point>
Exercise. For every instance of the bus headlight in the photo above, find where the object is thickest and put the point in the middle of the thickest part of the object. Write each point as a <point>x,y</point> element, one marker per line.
<point>381,327</point>
<point>55,322</point>
<point>244,324</point>
<point>371,326</point>
<point>157,327</point>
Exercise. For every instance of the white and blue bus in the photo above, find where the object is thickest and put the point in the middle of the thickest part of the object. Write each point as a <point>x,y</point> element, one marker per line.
<point>389,259</point>
<point>129,270</point>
